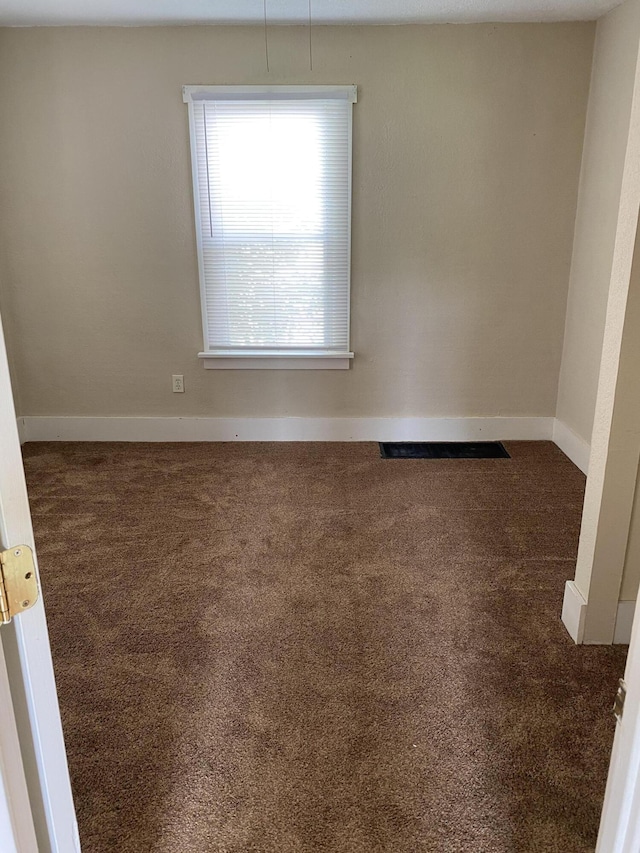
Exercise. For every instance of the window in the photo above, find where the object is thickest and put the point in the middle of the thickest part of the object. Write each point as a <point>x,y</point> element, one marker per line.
<point>272,190</point>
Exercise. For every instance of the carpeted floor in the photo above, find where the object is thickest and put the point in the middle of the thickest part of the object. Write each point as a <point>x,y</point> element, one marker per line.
<point>304,647</point>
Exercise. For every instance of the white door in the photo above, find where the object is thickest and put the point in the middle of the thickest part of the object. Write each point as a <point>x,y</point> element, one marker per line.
<point>32,752</point>
<point>620,826</point>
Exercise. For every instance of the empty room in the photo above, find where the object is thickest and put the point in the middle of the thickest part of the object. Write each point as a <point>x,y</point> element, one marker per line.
<point>319,439</point>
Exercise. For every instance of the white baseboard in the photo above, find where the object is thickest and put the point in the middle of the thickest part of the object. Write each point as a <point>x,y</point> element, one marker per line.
<point>338,429</point>
<point>624,622</point>
<point>285,429</point>
<point>574,610</point>
<point>572,445</point>
<point>21,430</point>
<point>306,429</point>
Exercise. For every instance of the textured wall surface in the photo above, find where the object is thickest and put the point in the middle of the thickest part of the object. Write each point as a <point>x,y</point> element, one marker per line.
<point>614,66</point>
<point>467,147</point>
<point>631,576</point>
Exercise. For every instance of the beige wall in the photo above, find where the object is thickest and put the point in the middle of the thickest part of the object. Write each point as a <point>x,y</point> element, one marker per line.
<point>8,329</point>
<point>615,57</point>
<point>467,146</point>
<point>628,444</point>
<point>631,575</point>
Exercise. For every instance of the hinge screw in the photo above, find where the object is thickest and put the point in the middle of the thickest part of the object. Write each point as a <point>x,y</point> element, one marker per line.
<point>17,552</point>
<point>25,603</point>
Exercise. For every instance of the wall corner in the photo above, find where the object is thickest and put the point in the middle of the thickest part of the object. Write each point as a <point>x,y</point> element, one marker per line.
<point>574,611</point>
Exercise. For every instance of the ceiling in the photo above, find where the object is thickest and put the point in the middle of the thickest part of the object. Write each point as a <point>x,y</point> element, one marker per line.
<point>138,12</point>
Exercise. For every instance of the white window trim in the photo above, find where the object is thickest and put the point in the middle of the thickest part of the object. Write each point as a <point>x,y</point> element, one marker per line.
<point>268,360</point>
<point>267,93</point>
<point>248,360</point>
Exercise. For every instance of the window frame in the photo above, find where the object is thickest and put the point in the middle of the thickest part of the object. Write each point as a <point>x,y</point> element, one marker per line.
<point>273,359</point>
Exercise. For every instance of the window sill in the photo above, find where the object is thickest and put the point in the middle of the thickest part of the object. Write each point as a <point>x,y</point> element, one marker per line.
<point>276,361</point>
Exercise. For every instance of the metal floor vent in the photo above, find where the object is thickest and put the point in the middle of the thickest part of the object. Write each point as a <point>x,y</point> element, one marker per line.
<point>443,450</point>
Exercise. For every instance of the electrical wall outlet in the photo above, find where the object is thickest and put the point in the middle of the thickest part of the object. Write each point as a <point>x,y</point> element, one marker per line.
<point>178,384</point>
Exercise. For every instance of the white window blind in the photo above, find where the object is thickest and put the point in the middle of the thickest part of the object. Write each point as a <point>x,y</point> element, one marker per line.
<point>272,185</point>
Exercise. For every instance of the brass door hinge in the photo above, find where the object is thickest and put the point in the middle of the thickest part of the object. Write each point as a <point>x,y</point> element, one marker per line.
<point>18,582</point>
<point>618,702</point>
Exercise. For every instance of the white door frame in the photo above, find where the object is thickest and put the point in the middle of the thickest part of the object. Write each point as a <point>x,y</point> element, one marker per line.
<point>16,821</point>
<point>29,668</point>
<point>591,600</point>
<point>620,824</point>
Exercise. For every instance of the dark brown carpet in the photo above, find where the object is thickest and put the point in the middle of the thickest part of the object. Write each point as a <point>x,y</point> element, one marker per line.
<point>304,647</point>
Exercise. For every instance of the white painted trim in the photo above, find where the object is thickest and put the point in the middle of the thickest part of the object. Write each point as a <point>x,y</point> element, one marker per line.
<point>21,432</point>
<point>615,438</point>
<point>267,93</point>
<point>16,819</point>
<point>276,361</point>
<point>620,823</point>
<point>624,622</point>
<point>286,429</point>
<point>281,355</point>
<point>572,445</point>
<point>306,429</point>
<point>574,610</point>
<point>196,208</point>
<point>192,95</point>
